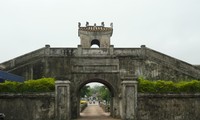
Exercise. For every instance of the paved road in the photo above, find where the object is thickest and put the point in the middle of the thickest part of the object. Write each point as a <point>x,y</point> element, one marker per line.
<point>94,112</point>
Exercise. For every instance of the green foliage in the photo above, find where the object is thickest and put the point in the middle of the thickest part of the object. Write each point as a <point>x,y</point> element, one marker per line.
<point>145,86</point>
<point>39,85</point>
<point>161,86</point>
<point>104,93</point>
<point>86,90</point>
<point>189,87</point>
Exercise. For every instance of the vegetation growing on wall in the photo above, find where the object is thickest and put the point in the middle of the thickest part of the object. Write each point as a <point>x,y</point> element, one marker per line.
<point>161,86</point>
<point>144,86</point>
<point>39,85</point>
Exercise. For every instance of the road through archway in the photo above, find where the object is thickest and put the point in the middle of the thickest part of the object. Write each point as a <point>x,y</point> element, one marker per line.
<point>95,112</point>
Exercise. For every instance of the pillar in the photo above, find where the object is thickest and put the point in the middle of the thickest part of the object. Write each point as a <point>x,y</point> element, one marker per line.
<point>111,49</point>
<point>79,50</point>
<point>129,99</point>
<point>62,100</point>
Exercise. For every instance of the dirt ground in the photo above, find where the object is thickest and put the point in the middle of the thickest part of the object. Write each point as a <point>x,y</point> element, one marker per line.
<point>94,112</point>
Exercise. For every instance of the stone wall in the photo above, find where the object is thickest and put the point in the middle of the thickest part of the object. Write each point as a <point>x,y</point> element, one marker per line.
<point>183,70</point>
<point>153,65</point>
<point>59,62</point>
<point>168,107</point>
<point>27,106</point>
<point>150,106</point>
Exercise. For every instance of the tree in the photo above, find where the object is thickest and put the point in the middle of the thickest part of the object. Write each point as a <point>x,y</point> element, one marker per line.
<point>104,93</point>
<point>85,91</point>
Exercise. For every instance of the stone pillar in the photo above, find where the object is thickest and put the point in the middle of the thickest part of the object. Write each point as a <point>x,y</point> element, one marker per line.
<point>143,51</point>
<point>111,49</point>
<point>79,50</point>
<point>62,100</point>
<point>47,49</point>
<point>29,72</point>
<point>129,99</point>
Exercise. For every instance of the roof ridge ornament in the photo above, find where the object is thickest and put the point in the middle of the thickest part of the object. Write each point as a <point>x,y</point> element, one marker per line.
<point>95,27</point>
<point>87,24</point>
<point>79,24</point>
<point>102,24</point>
<point>111,25</point>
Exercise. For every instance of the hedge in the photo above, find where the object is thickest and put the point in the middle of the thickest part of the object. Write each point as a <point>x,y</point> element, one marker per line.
<point>144,86</point>
<point>39,85</point>
<point>161,86</point>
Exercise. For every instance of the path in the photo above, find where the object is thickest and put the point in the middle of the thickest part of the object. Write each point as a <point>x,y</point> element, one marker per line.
<point>94,112</point>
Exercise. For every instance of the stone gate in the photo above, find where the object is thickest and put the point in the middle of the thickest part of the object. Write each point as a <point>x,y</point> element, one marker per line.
<point>116,68</point>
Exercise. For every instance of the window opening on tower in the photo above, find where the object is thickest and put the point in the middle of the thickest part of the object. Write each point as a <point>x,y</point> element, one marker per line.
<point>95,43</point>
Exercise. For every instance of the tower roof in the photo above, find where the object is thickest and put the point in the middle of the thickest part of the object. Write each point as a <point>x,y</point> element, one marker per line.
<point>95,28</point>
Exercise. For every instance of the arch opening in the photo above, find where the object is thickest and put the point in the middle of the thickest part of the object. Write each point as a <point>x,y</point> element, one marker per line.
<point>95,44</point>
<point>100,81</point>
<point>100,98</point>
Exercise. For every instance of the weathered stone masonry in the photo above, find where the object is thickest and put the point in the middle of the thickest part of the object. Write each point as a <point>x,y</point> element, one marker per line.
<point>37,106</point>
<point>114,67</point>
<point>149,106</point>
<point>57,62</point>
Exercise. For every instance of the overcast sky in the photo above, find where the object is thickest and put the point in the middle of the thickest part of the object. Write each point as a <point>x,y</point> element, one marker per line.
<point>168,26</point>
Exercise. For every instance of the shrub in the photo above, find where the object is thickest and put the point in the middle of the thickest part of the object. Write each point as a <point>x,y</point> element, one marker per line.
<point>8,86</point>
<point>189,86</point>
<point>161,86</point>
<point>146,86</point>
<point>39,85</point>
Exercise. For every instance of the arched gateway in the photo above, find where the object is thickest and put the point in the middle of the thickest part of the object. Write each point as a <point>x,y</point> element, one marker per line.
<point>117,68</point>
<point>96,65</point>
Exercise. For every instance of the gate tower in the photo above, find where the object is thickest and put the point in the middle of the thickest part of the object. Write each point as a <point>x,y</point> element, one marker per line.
<point>95,35</point>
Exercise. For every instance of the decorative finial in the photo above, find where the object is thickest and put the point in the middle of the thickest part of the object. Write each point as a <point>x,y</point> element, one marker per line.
<point>111,25</point>
<point>79,24</point>
<point>102,24</point>
<point>87,23</point>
